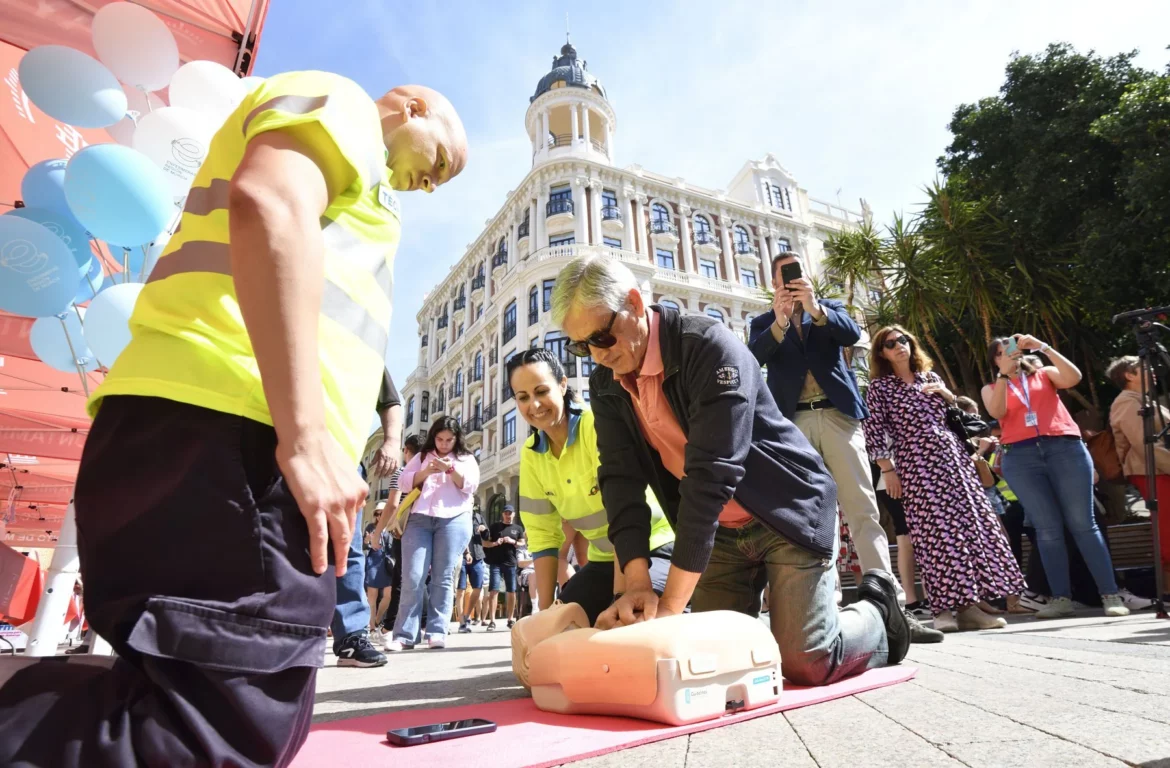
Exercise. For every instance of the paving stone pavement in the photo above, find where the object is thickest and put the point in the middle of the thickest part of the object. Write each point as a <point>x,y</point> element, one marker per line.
<point>1087,692</point>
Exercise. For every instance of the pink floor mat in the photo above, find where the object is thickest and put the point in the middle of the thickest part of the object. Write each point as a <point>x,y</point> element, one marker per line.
<point>547,739</point>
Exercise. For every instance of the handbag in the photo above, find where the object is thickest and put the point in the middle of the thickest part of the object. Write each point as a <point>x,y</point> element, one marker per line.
<point>986,476</point>
<point>1103,450</point>
<point>397,526</point>
<point>964,425</point>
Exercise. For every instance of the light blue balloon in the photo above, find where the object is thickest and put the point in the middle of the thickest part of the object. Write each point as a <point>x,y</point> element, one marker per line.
<point>91,284</point>
<point>72,87</point>
<point>38,276</point>
<point>64,226</point>
<point>107,324</point>
<point>118,194</point>
<point>43,186</point>
<point>50,344</point>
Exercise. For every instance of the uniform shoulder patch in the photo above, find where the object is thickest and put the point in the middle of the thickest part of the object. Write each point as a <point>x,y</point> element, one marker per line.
<point>727,376</point>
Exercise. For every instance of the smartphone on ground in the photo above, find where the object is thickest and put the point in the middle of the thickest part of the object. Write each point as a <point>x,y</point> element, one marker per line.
<point>425,734</point>
<point>790,272</point>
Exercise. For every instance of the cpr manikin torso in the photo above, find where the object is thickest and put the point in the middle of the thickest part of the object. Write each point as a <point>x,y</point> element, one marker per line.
<point>674,670</point>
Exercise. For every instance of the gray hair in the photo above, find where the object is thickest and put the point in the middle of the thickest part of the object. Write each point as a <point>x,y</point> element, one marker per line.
<point>589,282</point>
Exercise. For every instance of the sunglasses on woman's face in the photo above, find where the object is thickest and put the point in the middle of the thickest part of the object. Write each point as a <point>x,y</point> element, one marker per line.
<point>891,343</point>
<point>602,339</point>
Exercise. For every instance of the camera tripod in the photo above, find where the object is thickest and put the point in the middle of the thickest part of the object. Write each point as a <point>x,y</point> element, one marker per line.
<point>1155,378</point>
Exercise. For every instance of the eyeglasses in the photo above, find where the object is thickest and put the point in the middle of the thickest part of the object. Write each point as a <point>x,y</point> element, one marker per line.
<point>891,343</point>
<point>602,339</point>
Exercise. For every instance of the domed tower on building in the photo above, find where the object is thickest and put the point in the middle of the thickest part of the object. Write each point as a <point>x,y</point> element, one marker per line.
<point>569,115</point>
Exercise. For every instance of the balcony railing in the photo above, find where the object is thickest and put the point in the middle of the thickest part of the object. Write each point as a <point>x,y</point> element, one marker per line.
<point>425,339</point>
<point>559,206</point>
<point>705,238</point>
<point>746,248</point>
<point>598,146</point>
<point>533,316</point>
<point>473,424</point>
<point>477,376</point>
<point>663,227</point>
<point>478,282</point>
<point>460,304</point>
<point>522,231</point>
<point>560,140</point>
<point>442,322</point>
<point>489,412</point>
<point>500,260</point>
<point>493,357</point>
<point>611,213</point>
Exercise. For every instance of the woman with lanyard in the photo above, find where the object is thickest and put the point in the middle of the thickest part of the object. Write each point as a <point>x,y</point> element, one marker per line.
<point>1048,466</point>
<point>558,484</point>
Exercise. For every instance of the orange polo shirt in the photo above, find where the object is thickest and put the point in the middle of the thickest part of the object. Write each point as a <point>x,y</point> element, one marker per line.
<point>659,424</point>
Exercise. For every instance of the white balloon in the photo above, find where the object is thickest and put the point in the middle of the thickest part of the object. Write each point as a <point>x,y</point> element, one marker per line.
<point>107,323</point>
<point>62,346</point>
<point>176,139</point>
<point>207,87</point>
<point>252,82</point>
<point>135,45</point>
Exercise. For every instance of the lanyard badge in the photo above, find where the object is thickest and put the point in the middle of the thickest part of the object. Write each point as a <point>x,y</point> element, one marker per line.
<point>1031,420</point>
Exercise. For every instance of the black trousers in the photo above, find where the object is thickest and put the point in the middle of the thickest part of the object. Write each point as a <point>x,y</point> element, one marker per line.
<point>591,586</point>
<point>196,568</point>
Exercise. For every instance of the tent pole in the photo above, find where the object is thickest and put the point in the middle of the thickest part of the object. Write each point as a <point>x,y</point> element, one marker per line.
<point>48,626</point>
<point>245,33</point>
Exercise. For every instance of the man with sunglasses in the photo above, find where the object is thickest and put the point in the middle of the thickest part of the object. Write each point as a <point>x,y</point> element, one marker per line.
<point>680,406</point>
<point>802,340</point>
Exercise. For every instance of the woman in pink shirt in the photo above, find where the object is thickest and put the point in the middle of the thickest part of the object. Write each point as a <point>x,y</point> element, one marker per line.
<point>437,532</point>
<point>1048,466</point>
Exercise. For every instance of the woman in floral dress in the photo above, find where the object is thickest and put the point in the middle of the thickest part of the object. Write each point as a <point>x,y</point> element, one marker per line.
<point>961,550</point>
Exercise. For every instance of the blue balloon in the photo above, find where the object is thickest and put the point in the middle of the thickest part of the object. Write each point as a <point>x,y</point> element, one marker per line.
<point>38,275</point>
<point>50,344</point>
<point>43,186</point>
<point>118,194</point>
<point>65,227</point>
<point>72,87</point>
<point>91,284</point>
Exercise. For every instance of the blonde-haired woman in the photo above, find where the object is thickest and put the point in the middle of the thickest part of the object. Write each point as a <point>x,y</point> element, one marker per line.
<point>960,547</point>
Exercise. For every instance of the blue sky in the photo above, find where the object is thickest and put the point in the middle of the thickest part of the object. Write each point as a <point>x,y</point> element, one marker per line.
<point>849,96</point>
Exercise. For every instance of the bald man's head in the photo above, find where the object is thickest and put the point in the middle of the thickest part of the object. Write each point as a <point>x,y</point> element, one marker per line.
<point>424,137</point>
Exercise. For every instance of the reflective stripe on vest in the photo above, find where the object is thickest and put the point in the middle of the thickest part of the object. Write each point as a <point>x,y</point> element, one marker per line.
<point>303,105</point>
<point>216,258</point>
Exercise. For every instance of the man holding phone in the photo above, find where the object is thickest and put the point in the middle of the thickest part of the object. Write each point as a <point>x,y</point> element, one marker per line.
<point>802,341</point>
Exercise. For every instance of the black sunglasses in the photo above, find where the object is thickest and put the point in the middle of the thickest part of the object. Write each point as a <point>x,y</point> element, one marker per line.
<point>891,343</point>
<point>602,339</point>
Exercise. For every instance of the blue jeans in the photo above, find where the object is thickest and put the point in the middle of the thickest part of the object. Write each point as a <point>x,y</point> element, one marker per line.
<point>352,613</point>
<point>1053,478</point>
<point>819,644</point>
<point>430,545</point>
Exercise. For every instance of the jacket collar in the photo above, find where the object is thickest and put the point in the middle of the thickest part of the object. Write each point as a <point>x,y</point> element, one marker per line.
<point>541,443</point>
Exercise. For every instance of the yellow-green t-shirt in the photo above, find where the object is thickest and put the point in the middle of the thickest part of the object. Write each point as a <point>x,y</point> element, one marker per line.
<point>190,343</point>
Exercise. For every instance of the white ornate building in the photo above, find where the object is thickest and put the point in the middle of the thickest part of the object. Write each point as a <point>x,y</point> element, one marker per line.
<point>702,250</point>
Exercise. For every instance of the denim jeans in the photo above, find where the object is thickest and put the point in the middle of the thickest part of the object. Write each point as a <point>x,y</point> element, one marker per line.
<point>818,643</point>
<point>430,545</point>
<point>1053,478</point>
<point>352,613</point>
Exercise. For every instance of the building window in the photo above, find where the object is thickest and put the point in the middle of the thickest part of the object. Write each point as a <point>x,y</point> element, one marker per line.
<point>788,198</point>
<point>509,432</point>
<point>555,342</point>
<point>477,370</point>
<point>668,303</point>
<point>775,196</point>
<point>459,331</point>
<point>509,323</point>
<point>748,278</point>
<point>715,313</point>
<point>608,198</point>
<point>478,311</point>
<point>563,192</point>
<point>459,383</point>
<point>742,238</point>
<point>611,242</point>
<point>546,290</point>
<point>410,410</point>
<point>505,386</point>
<point>659,214</point>
<point>523,230</point>
<point>425,411</point>
<point>443,350</point>
<point>534,342</point>
<point>585,395</point>
<point>708,268</point>
<point>587,366</point>
<point>702,226</point>
<point>783,245</point>
<point>665,258</point>
<point>533,307</point>
<point>561,240</point>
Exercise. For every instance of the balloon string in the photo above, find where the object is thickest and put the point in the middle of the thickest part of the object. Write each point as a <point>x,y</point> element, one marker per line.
<point>73,352</point>
<point>149,106</point>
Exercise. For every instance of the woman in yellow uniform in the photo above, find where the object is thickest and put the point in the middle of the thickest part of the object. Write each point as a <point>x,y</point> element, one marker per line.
<point>558,483</point>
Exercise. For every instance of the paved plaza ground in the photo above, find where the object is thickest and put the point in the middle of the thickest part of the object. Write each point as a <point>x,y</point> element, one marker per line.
<point>1085,692</point>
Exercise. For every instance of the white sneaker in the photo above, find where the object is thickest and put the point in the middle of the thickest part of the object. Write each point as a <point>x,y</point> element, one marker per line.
<point>1033,601</point>
<point>395,646</point>
<point>437,642</point>
<point>1057,607</point>
<point>1133,602</point>
<point>1113,605</point>
<point>946,622</point>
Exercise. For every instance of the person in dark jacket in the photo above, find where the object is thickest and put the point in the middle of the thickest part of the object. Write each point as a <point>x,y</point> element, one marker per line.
<point>680,406</point>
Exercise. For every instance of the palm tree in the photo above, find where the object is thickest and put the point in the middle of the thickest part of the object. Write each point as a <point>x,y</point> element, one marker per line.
<point>855,257</point>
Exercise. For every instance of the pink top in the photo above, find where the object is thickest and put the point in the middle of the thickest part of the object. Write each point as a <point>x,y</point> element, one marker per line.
<point>439,496</point>
<point>659,424</point>
<point>1052,418</point>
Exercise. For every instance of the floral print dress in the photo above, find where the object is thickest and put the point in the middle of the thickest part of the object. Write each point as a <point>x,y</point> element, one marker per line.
<point>961,549</point>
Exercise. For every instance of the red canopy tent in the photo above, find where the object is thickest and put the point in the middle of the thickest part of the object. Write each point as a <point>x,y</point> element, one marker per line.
<point>43,423</point>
